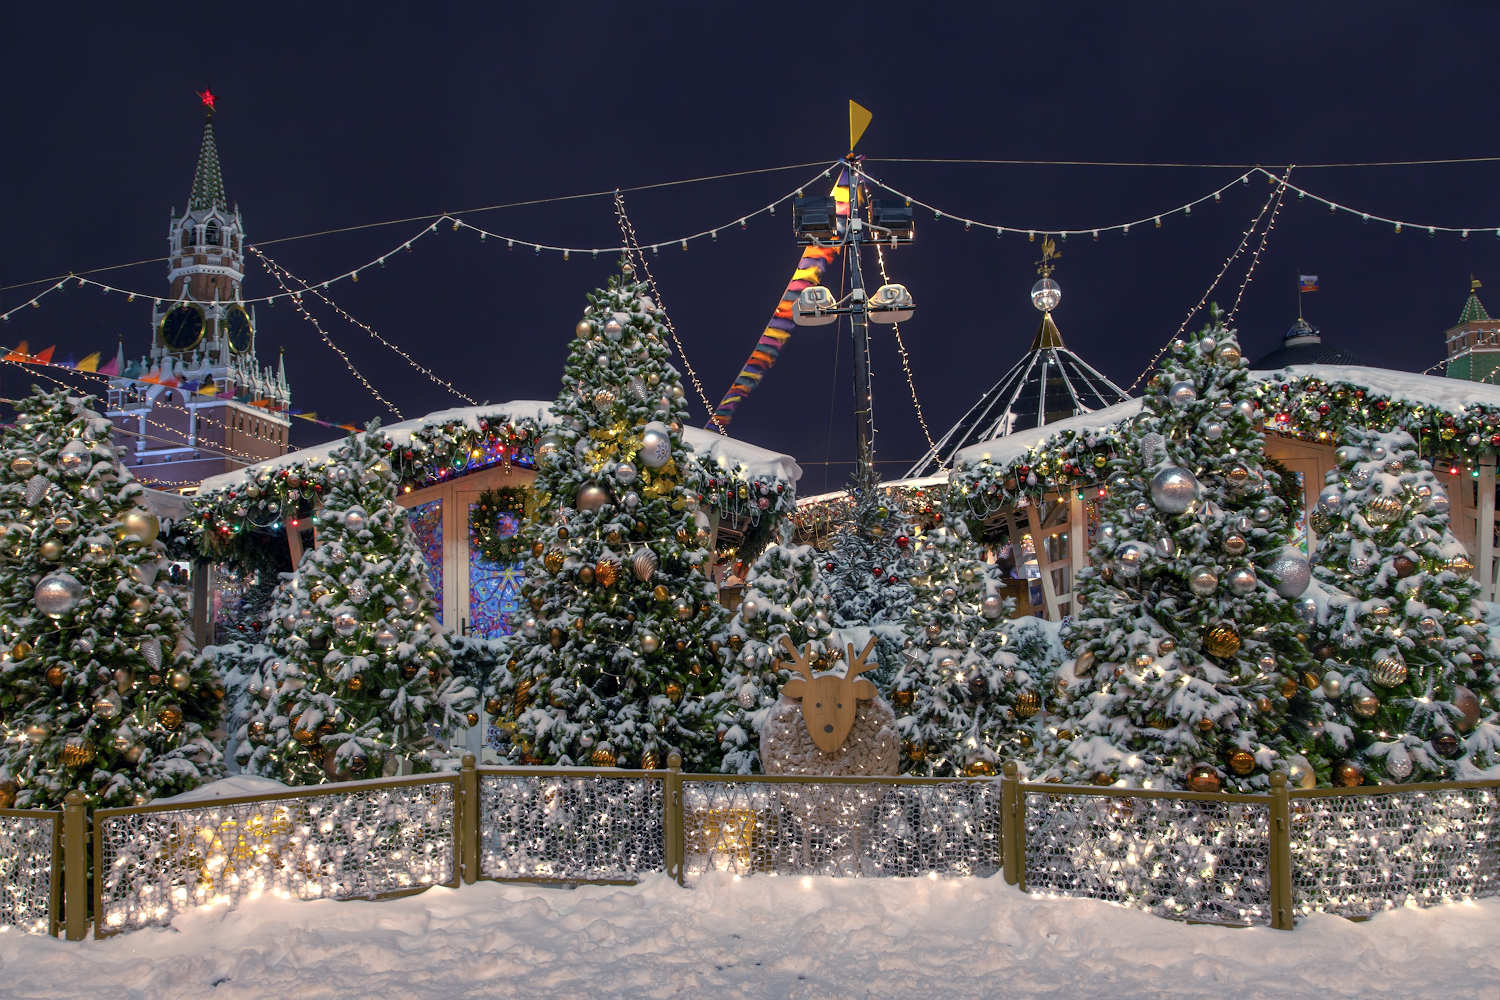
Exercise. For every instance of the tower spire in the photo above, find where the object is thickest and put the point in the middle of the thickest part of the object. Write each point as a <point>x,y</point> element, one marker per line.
<point>208,182</point>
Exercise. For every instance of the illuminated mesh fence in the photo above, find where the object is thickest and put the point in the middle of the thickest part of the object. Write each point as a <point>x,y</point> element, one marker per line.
<point>26,870</point>
<point>865,829</point>
<point>359,842</point>
<point>1359,854</point>
<point>1191,859</point>
<point>572,827</point>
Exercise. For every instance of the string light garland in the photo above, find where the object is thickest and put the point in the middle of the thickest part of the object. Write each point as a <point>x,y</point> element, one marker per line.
<point>1261,246</point>
<point>371,331</point>
<point>633,248</point>
<point>885,279</point>
<point>276,272</point>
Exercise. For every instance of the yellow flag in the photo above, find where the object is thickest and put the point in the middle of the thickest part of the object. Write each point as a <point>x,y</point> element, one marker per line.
<point>89,364</point>
<point>859,120</point>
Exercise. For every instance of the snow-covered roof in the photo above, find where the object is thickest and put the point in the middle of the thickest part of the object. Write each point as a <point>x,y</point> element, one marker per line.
<point>1007,449</point>
<point>759,463</point>
<point>1451,395</point>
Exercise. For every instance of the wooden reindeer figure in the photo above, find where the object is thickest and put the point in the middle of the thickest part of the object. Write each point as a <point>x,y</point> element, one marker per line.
<point>828,702</point>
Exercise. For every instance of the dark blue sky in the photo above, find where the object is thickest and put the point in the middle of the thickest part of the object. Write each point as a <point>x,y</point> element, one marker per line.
<point>336,115</point>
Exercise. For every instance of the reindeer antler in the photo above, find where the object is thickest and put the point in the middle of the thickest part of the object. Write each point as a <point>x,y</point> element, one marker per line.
<point>800,663</point>
<point>857,664</point>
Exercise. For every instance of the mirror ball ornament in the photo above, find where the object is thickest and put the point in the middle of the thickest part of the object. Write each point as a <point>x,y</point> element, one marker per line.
<point>1203,581</point>
<point>1182,393</point>
<point>385,637</point>
<point>1292,574</point>
<point>170,716</point>
<point>1446,745</point>
<point>643,564</point>
<point>603,400</point>
<point>656,445</point>
<point>1439,500</point>
<point>612,329</point>
<point>592,496</point>
<point>1204,778</point>
<point>1175,490</point>
<point>1221,640</point>
<point>345,624</point>
<point>1331,499</point>
<point>1241,762</point>
<point>1381,511</point>
<point>1347,774</point>
<point>625,472</point>
<point>1365,706</point>
<point>23,465</point>
<point>73,458</point>
<point>992,607</point>
<point>358,592</point>
<point>1128,559</point>
<point>1388,670</point>
<point>1234,544</point>
<point>354,521</point>
<point>546,446</point>
<point>1242,580</point>
<point>1262,515</point>
<point>682,610</point>
<point>749,608</point>
<point>1213,431</point>
<point>57,594</point>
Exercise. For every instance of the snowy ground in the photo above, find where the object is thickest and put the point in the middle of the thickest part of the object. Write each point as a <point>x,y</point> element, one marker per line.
<point>761,938</point>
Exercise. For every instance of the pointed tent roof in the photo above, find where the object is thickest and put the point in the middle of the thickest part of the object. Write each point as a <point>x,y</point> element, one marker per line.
<point>1049,383</point>
<point>1473,309</point>
<point>208,182</point>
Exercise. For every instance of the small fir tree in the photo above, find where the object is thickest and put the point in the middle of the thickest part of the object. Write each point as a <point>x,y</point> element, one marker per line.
<point>614,664</point>
<point>967,691</point>
<point>1404,659</point>
<point>784,596</point>
<point>868,571</point>
<point>1186,657</point>
<point>100,689</point>
<point>362,675</point>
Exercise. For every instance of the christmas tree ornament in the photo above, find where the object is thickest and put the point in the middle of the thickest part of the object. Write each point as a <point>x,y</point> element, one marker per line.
<point>1234,544</point>
<point>1128,559</point>
<point>546,447</point>
<point>586,575</point>
<point>625,472</point>
<point>682,610</point>
<point>386,637</point>
<point>36,490</point>
<point>142,524</point>
<point>1398,763</point>
<point>650,643</point>
<point>150,650</point>
<point>1460,565</point>
<point>1347,774</point>
<point>345,624</point>
<point>1182,393</point>
<point>23,465</point>
<point>606,572</point>
<point>1292,573</point>
<point>1166,547</point>
<point>992,607</point>
<point>1203,581</point>
<point>108,705</point>
<point>73,458</point>
<point>749,608</point>
<point>1331,499</point>
<point>179,680</point>
<point>1221,640</point>
<point>660,594</point>
<point>1439,501</point>
<point>170,716</point>
<point>1383,510</point>
<point>613,330</point>
<point>1447,746</point>
<point>591,497</point>
<point>57,594</point>
<point>1242,580</point>
<point>1467,703</point>
<point>1388,670</point>
<point>553,561</point>
<point>1358,565</point>
<point>1175,490</point>
<point>1365,706</point>
<point>50,550</point>
<point>1204,778</point>
<point>1333,686</point>
<point>656,445</point>
<point>1261,515</point>
<point>76,752</point>
<point>354,520</point>
<point>358,591</point>
<point>1403,566</point>
<point>1028,703</point>
<point>1213,431</point>
<point>1241,762</point>
<point>528,627</point>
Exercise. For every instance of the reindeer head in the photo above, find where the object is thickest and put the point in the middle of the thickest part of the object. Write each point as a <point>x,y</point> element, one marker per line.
<point>828,701</point>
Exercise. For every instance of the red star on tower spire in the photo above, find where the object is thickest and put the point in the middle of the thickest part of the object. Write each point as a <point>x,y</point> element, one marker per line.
<point>208,98</point>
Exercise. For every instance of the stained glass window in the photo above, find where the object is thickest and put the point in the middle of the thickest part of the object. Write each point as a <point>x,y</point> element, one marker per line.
<point>427,524</point>
<point>494,588</point>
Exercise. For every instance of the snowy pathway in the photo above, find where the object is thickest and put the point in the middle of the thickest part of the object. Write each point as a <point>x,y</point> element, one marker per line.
<point>758,938</point>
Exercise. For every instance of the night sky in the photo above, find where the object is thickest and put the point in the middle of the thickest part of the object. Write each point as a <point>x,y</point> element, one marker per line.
<point>340,115</point>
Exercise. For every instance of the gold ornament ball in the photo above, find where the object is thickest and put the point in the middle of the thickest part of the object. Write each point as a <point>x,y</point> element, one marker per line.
<point>1365,706</point>
<point>673,691</point>
<point>20,650</point>
<point>56,676</point>
<point>682,610</point>
<point>555,636</point>
<point>1242,762</point>
<point>902,699</point>
<point>170,716</point>
<point>650,761</point>
<point>7,794</point>
<point>304,736</point>
<point>523,694</point>
<point>1028,703</point>
<point>355,683</point>
<point>493,705</point>
<point>1206,725</point>
<point>1103,778</point>
<point>915,751</point>
<point>50,550</point>
<point>659,593</point>
<point>1382,511</point>
<point>472,719</point>
<point>537,548</point>
<point>606,573</point>
<point>143,524</point>
<point>1288,687</point>
<point>1347,774</point>
<point>1204,778</point>
<point>586,575</point>
<point>602,756</point>
<point>77,752</point>
<point>1221,640</point>
<point>554,560</point>
<point>180,681</point>
<point>979,769</point>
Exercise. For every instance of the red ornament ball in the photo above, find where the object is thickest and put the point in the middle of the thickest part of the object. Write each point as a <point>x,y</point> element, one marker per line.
<point>880,571</point>
<point>828,567</point>
<point>891,578</point>
<point>902,542</point>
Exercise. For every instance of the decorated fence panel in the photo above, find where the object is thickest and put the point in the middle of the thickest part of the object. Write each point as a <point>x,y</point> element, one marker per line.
<point>1197,858</point>
<point>1355,854</point>
<point>571,825</point>
<point>873,828</point>
<point>357,840</point>
<point>30,869</point>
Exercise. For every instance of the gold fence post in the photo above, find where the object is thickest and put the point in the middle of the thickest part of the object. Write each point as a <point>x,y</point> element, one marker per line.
<point>1281,855</point>
<point>672,806</point>
<point>1009,842</point>
<point>75,865</point>
<point>468,827</point>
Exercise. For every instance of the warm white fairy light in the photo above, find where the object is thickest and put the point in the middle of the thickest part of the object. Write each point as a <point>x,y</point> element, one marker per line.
<point>905,361</point>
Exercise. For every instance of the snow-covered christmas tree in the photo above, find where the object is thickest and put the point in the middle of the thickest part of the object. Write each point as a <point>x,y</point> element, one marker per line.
<point>868,571</point>
<point>1186,637</point>
<point>614,663</point>
<point>362,675</point>
<point>1405,662</point>
<point>784,596</point>
<point>100,688</point>
<point>967,691</point>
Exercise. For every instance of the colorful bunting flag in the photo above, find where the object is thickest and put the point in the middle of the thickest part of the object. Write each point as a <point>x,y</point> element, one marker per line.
<point>19,354</point>
<point>112,368</point>
<point>89,364</point>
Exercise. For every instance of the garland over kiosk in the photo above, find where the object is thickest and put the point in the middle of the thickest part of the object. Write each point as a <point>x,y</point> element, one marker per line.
<point>1042,482</point>
<point>466,475</point>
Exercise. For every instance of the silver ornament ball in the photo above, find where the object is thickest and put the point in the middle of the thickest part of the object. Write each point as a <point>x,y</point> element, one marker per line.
<point>1242,580</point>
<point>1175,490</point>
<point>1292,574</point>
<point>57,594</point>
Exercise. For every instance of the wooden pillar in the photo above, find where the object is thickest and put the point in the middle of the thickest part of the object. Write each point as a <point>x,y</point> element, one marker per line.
<point>1049,590</point>
<point>1078,534</point>
<point>294,542</point>
<point>202,569</point>
<point>1484,547</point>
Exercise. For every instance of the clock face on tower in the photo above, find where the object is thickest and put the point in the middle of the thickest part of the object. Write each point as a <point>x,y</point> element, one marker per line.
<point>238,326</point>
<point>182,327</point>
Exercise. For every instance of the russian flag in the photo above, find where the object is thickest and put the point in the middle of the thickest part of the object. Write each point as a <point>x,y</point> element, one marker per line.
<point>1307,282</point>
